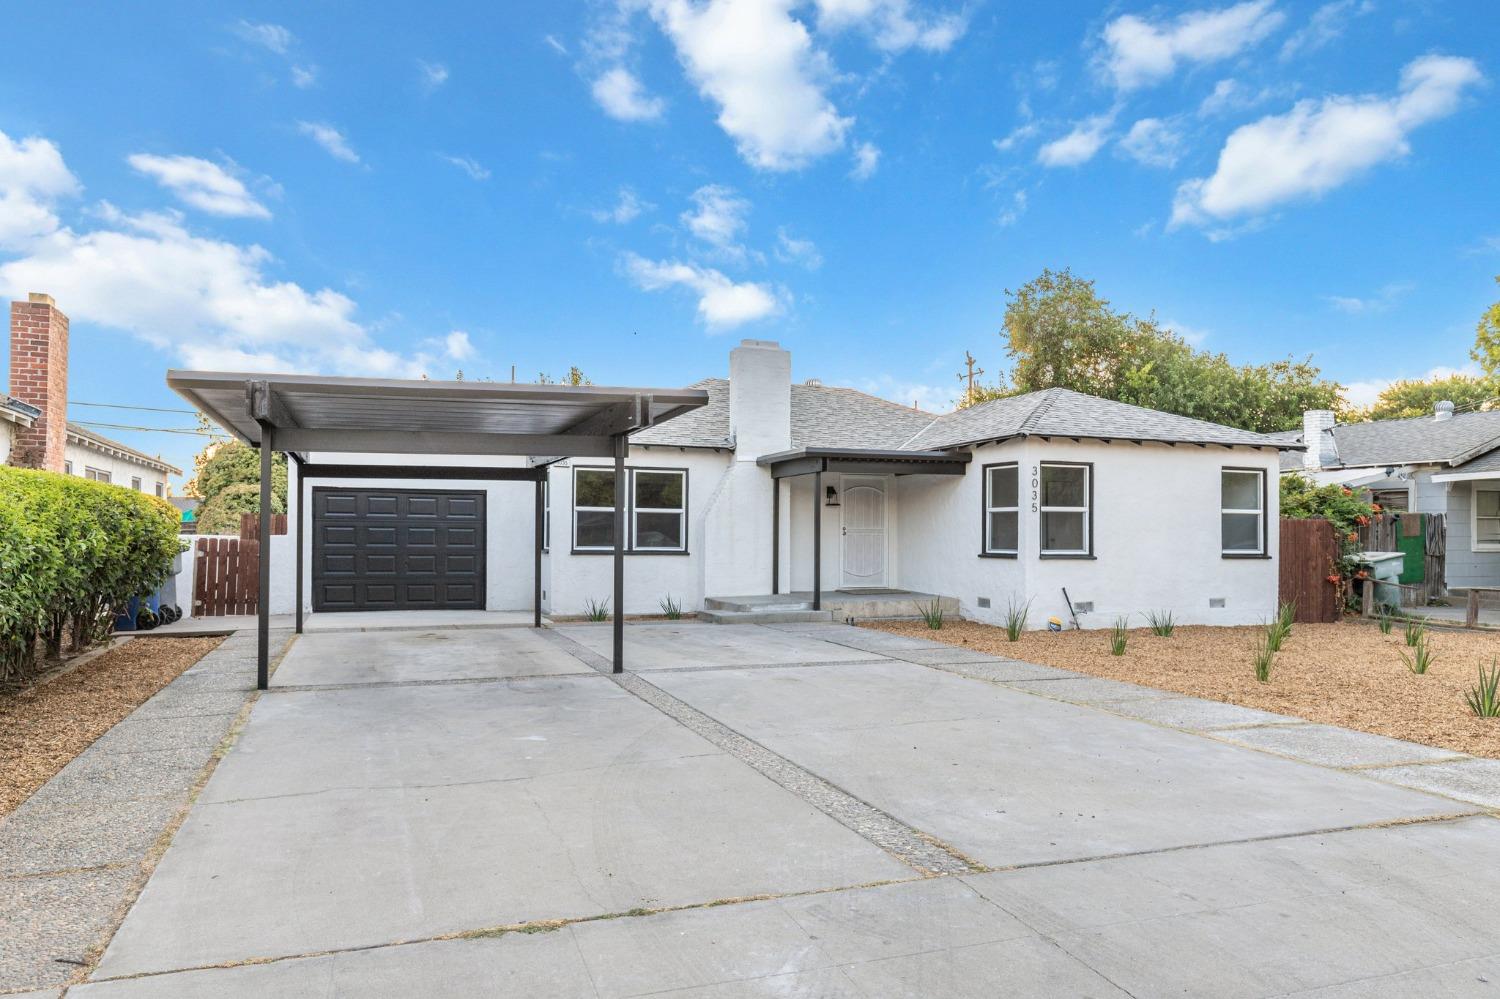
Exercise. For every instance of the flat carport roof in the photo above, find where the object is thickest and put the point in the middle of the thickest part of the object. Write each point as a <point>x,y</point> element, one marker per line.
<point>298,414</point>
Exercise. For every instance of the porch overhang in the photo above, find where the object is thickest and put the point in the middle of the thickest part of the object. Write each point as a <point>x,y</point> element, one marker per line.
<point>299,414</point>
<point>870,461</point>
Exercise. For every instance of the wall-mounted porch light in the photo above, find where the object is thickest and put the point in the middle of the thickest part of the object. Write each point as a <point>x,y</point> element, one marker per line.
<point>833,497</point>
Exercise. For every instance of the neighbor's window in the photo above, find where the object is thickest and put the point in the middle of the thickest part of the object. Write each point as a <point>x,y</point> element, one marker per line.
<point>1065,509</point>
<point>1242,513</point>
<point>135,483</point>
<point>1001,511</point>
<point>161,490</point>
<point>658,512</point>
<point>97,474</point>
<point>1486,519</point>
<point>68,467</point>
<point>593,509</point>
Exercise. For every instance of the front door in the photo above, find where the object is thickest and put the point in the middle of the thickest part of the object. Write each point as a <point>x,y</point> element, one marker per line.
<point>864,510</point>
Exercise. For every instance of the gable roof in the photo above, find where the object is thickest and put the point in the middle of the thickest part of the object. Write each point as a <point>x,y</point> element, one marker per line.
<point>1420,440</point>
<point>825,416</point>
<point>98,442</point>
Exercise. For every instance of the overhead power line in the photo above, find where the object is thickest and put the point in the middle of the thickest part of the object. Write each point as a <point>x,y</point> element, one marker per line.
<point>143,409</point>
<point>194,432</point>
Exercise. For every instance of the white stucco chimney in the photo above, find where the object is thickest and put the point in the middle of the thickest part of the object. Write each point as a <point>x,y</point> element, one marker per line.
<point>760,399</point>
<point>1442,411</point>
<point>1317,434</point>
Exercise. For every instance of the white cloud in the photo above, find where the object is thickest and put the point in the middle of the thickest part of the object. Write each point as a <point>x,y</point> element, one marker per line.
<point>469,165</point>
<point>33,178</point>
<point>1012,213</point>
<point>330,138</point>
<point>722,303</point>
<point>1231,95</point>
<point>1321,144</point>
<point>200,184</point>
<point>1140,52</point>
<point>304,76</point>
<point>757,63</point>
<point>1190,334</point>
<point>628,207</point>
<point>1367,392</point>
<point>1325,26</point>
<point>718,218</point>
<point>1016,136</point>
<point>457,346</point>
<point>268,36</point>
<point>791,250</point>
<point>622,96</point>
<point>866,161</point>
<point>1153,142</point>
<point>928,398</point>
<point>891,25</point>
<point>1382,301</point>
<point>431,75</point>
<point>555,45</point>
<point>1079,145</point>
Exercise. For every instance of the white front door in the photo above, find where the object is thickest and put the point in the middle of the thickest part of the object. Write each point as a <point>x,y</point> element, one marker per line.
<point>864,513</point>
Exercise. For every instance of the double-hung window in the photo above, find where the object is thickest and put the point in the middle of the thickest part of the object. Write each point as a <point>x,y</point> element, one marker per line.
<point>656,515</point>
<point>97,474</point>
<point>1066,508</point>
<point>1242,511</point>
<point>1486,518</point>
<point>1001,509</point>
<point>161,490</point>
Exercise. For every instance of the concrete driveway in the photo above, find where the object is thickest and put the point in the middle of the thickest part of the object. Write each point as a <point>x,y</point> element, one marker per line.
<point>789,811</point>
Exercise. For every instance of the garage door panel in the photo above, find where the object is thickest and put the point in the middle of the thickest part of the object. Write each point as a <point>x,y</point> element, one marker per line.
<point>395,549</point>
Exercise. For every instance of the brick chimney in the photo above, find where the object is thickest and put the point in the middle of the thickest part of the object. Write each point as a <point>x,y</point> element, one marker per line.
<point>39,376</point>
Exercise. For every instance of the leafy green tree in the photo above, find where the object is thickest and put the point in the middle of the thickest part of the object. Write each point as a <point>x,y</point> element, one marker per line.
<point>228,480</point>
<point>1061,334</point>
<point>1487,341</point>
<point>1406,399</point>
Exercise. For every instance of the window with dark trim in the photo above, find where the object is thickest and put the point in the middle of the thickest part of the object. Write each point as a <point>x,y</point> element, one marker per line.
<point>656,517</point>
<point>135,483</point>
<point>1242,511</point>
<point>1065,508</point>
<point>97,474</point>
<point>1002,514</point>
<point>161,489</point>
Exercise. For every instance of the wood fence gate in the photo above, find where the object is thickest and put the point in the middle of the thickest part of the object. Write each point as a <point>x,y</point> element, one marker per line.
<point>1309,552</point>
<point>226,576</point>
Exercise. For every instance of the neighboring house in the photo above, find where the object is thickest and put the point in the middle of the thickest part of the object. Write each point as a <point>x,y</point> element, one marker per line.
<point>15,416</point>
<point>1444,463</point>
<point>39,383</point>
<point>1013,501</point>
<point>188,505</point>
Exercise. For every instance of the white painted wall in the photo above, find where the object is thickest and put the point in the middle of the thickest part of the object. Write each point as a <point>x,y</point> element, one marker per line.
<point>7,434</point>
<point>120,469</point>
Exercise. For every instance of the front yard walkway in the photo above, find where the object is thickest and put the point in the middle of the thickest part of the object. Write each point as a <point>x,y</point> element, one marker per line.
<point>795,810</point>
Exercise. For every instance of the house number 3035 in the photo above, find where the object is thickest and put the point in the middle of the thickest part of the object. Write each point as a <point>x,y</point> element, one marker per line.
<point>1036,482</point>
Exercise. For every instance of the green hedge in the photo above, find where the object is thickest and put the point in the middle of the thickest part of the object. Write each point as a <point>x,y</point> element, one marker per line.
<point>71,551</point>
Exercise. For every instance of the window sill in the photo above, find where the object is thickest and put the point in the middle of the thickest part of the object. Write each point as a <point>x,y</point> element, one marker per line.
<point>611,551</point>
<point>1083,556</point>
<point>1009,555</point>
<point>1244,555</point>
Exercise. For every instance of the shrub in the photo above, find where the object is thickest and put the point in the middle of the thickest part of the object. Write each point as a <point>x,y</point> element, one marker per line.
<point>1484,697</point>
<point>1162,623</point>
<point>932,613</point>
<point>1016,614</point>
<point>71,551</point>
<point>671,608</point>
<point>1118,635</point>
<point>596,610</point>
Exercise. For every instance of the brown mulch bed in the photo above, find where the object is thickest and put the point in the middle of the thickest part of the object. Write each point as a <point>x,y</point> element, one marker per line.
<point>1346,674</point>
<point>44,726</point>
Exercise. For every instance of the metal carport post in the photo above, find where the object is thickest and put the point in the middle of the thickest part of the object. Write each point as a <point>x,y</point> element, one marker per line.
<point>300,414</point>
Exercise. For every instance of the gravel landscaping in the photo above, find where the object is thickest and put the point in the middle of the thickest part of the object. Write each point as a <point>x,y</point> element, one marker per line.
<point>1346,674</point>
<point>44,726</point>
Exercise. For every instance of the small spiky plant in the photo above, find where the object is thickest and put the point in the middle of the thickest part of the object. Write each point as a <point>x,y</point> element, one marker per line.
<point>596,610</point>
<point>1421,656</point>
<point>1415,631</point>
<point>1162,623</point>
<point>932,613</point>
<point>1484,697</point>
<point>1384,622</point>
<point>671,608</point>
<point>1261,655</point>
<point>1016,614</point>
<point>1118,634</point>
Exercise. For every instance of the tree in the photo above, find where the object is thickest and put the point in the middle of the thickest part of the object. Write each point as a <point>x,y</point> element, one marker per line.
<point>1061,334</point>
<point>1405,399</point>
<point>228,480</point>
<point>1487,341</point>
<point>575,376</point>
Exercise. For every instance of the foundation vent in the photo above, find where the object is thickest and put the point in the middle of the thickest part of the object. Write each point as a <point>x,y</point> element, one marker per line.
<point>1216,601</point>
<point>982,601</point>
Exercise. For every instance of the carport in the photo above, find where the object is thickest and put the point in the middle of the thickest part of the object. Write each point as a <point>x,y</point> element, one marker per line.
<point>306,414</point>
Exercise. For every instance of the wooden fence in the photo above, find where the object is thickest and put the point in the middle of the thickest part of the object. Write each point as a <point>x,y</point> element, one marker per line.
<point>1309,551</point>
<point>226,576</point>
<point>250,525</point>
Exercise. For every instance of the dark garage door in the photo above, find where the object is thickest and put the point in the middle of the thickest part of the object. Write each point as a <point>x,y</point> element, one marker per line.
<point>397,549</point>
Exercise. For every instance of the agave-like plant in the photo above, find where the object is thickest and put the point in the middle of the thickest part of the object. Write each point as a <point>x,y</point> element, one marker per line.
<point>1162,623</point>
<point>1421,656</point>
<point>1016,614</point>
<point>1118,634</point>
<point>1484,697</point>
<point>1261,656</point>
<point>671,608</point>
<point>932,613</point>
<point>596,610</point>
<point>1416,630</point>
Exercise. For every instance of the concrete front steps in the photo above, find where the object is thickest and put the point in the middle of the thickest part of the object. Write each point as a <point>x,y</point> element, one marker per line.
<point>838,605</point>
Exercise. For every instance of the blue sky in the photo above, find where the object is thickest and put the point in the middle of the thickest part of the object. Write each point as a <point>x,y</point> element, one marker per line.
<point>634,185</point>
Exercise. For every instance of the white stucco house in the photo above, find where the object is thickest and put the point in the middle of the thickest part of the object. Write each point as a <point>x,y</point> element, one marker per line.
<point>1444,463</point>
<point>744,502</point>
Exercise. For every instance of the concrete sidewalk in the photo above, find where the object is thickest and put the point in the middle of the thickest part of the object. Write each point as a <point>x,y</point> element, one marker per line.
<point>799,810</point>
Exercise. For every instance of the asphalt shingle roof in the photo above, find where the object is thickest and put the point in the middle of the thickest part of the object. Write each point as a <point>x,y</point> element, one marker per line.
<point>829,416</point>
<point>1422,440</point>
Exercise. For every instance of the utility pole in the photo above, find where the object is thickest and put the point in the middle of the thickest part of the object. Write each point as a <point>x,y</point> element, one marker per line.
<point>969,376</point>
